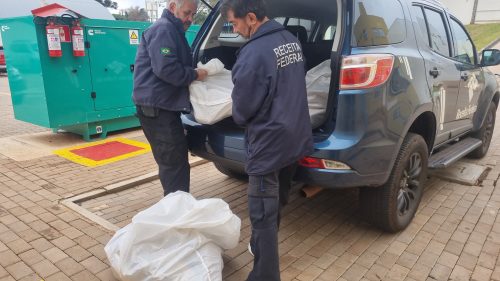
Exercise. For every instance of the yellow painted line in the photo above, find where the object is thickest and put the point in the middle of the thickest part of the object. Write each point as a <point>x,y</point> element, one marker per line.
<point>66,152</point>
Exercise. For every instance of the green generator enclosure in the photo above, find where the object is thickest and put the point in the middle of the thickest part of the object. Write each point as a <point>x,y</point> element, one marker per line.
<point>87,95</point>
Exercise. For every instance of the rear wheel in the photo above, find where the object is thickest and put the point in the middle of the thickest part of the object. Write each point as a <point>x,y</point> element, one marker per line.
<point>230,172</point>
<point>393,205</point>
<point>485,133</point>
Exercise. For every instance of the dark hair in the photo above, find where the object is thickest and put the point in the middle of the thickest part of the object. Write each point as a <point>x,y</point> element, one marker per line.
<point>241,8</point>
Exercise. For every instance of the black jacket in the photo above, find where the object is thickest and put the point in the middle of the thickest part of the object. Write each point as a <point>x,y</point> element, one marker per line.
<point>270,99</point>
<point>163,66</point>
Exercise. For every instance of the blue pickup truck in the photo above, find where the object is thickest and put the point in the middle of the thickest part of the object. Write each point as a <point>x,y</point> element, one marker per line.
<point>408,92</point>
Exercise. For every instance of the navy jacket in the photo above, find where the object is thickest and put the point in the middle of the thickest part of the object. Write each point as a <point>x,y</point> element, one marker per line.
<point>163,66</point>
<point>270,99</point>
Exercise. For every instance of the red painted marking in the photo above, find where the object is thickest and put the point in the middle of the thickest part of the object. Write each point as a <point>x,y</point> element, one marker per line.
<point>106,150</point>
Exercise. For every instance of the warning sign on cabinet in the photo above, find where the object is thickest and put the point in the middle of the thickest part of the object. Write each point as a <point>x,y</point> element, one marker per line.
<point>133,36</point>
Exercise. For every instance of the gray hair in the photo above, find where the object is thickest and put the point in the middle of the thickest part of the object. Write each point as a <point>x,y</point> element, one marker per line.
<point>179,3</point>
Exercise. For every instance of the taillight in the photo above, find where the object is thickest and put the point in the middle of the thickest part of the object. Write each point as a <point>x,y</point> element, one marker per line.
<point>311,162</point>
<point>365,71</point>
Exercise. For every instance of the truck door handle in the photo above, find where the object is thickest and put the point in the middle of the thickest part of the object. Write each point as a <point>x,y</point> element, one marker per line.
<point>434,72</point>
<point>464,76</point>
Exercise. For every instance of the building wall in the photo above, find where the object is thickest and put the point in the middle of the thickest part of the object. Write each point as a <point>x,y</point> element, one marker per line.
<point>487,10</point>
<point>155,8</point>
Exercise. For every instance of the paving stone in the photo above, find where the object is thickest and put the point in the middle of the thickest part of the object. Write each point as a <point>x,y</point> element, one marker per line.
<point>19,246</point>
<point>59,276</point>
<point>31,257</point>
<point>459,273</point>
<point>63,242</point>
<point>41,244</point>
<point>8,258</point>
<point>106,275</point>
<point>69,266</point>
<point>19,270</point>
<point>54,254</point>
<point>45,268</point>
<point>481,274</point>
<point>84,276</point>
<point>78,253</point>
<point>94,265</point>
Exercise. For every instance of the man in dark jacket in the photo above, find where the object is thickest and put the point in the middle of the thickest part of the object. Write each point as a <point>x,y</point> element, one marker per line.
<point>270,100</point>
<point>163,72</point>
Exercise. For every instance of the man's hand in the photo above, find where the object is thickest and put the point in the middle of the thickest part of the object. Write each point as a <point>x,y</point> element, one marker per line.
<point>202,74</point>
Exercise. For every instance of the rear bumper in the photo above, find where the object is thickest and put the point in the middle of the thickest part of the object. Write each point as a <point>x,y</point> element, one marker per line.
<point>338,179</point>
<point>331,179</point>
<point>3,68</point>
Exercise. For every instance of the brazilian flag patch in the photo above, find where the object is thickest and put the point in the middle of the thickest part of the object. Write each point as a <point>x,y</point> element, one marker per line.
<point>166,51</point>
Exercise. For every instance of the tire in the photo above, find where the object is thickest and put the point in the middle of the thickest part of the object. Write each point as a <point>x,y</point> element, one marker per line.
<point>393,205</point>
<point>230,172</point>
<point>485,133</point>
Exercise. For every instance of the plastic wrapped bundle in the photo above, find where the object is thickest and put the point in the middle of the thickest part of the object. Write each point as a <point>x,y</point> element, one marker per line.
<point>177,239</point>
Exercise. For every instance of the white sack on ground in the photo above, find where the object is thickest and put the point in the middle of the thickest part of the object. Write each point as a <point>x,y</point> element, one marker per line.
<point>177,239</point>
<point>211,99</point>
<point>318,86</point>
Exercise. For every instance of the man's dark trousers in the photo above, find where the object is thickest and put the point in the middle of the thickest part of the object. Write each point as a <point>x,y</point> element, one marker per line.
<point>163,129</point>
<point>263,206</point>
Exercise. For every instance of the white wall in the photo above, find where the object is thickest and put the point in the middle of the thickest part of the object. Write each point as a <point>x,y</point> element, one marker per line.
<point>487,10</point>
<point>462,9</point>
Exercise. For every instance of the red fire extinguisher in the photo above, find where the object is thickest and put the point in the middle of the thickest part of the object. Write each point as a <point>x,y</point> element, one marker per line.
<point>53,40</point>
<point>77,37</point>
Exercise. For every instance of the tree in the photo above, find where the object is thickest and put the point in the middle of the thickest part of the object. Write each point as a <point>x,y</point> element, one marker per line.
<point>203,11</point>
<point>108,3</point>
<point>134,14</point>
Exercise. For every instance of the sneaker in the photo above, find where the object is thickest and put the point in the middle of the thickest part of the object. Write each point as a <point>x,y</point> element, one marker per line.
<point>250,250</point>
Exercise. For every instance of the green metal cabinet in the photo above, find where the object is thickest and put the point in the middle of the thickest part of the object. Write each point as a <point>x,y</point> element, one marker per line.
<point>85,95</point>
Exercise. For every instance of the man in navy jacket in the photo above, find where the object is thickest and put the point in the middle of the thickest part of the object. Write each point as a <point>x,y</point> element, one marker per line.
<point>270,100</point>
<point>163,72</point>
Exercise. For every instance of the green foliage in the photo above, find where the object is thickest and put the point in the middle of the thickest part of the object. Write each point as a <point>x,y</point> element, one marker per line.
<point>133,14</point>
<point>483,34</point>
<point>108,3</point>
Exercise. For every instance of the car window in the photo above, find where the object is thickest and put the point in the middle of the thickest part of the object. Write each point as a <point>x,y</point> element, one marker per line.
<point>376,24</point>
<point>437,31</point>
<point>464,49</point>
<point>421,28</point>
<point>329,33</point>
<point>297,23</point>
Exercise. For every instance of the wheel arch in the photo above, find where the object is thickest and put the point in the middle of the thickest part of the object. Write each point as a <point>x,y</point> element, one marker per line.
<point>425,125</point>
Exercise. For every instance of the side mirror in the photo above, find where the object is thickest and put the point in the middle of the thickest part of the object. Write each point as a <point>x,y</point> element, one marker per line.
<point>490,57</point>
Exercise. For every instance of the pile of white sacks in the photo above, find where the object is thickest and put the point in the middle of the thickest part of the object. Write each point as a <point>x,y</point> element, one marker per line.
<point>211,99</point>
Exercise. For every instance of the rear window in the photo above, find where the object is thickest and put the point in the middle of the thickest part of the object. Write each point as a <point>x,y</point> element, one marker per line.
<point>375,24</point>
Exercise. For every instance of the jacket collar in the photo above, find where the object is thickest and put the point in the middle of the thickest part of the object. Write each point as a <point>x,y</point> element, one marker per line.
<point>269,27</point>
<point>170,17</point>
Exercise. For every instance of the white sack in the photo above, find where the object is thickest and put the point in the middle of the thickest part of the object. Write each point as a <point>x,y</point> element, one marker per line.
<point>211,99</point>
<point>177,239</point>
<point>318,86</point>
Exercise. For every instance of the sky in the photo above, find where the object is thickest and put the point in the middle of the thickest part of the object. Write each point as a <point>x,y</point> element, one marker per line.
<point>124,4</point>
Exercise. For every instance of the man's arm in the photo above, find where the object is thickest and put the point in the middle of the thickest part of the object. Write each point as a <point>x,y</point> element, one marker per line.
<point>250,90</point>
<point>163,52</point>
